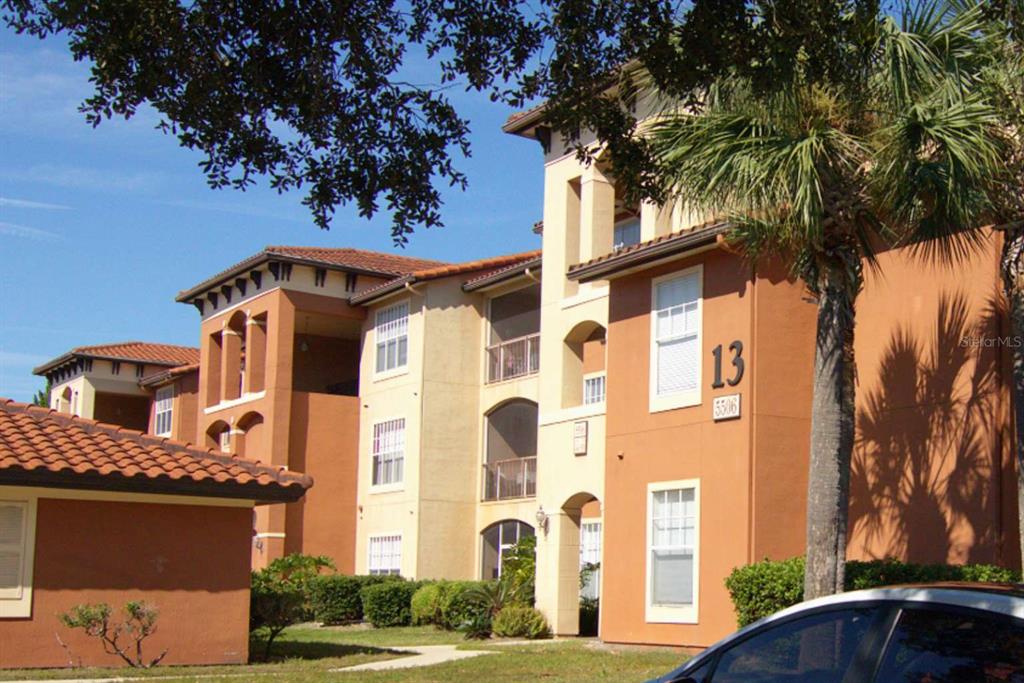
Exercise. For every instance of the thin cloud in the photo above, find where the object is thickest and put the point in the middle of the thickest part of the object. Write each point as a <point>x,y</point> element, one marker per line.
<point>77,177</point>
<point>26,232</point>
<point>26,204</point>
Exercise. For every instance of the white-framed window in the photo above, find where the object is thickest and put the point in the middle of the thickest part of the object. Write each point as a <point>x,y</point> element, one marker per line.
<point>627,233</point>
<point>384,554</point>
<point>388,452</point>
<point>593,388</point>
<point>225,441</point>
<point>673,551</point>
<point>676,311</point>
<point>590,555</point>
<point>17,543</point>
<point>164,410</point>
<point>391,334</point>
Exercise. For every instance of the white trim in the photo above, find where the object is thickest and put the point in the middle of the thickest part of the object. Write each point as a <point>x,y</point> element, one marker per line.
<point>242,400</point>
<point>164,394</point>
<point>398,369</point>
<point>379,536</point>
<point>24,492</point>
<point>579,412</point>
<point>666,614</point>
<point>394,485</point>
<point>681,399</point>
<point>270,534</point>
<point>595,375</point>
<point>19,604</point>
<point>580,298</point>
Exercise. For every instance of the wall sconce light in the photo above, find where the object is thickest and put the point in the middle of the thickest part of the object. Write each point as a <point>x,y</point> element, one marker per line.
<point>542,520</point>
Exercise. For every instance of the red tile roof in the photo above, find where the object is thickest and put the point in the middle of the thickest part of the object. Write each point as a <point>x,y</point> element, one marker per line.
<point>519,120</point>
<point>131,351</point>
<point>164,376</point>
<point>342,258</point>
<point>644,252</point>
<point>40,447</point>
<point>434,273</point>
<point>503,273</point>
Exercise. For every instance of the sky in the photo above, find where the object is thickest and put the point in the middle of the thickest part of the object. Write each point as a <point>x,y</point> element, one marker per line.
<point>100,228</point>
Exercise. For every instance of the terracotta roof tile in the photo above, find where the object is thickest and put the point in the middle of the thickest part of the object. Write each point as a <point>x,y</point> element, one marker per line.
<point>130,351</point>
<point>359,260</point>
<point>497,274</point>
<point>164,376</point>
<point>447,270</point>
<point>42,447</point>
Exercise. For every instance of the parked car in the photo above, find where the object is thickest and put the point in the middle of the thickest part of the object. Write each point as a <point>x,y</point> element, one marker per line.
<point>938,633</point>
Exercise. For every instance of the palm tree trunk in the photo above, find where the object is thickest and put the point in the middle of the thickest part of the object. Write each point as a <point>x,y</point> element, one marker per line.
<point>832,432</point>
<point>1013,284</point>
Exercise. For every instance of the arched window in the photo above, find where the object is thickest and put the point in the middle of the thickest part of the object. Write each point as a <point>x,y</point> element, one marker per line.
<point>218,436</point>
<point>497,540</point>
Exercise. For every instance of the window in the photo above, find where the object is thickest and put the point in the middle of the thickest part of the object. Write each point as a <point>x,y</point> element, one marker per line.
<point>672,551</point>
<point>392,335</point>
<point>17,530</point>
<point>498,540</point>
<point>590,558</point>
<point>164,410</point>
<point>388,452</point>
<point>929,645</point>
<point>593,389</point>
<point>385,555</point>
<point>224,441</point>
<point>817,647</point>
<point>627,233</point>
<point>676,339</point>
<point>115,367</point>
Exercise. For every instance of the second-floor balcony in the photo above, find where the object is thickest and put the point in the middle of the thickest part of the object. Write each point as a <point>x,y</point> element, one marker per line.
<point>512,478</point>
<point>514,358</point>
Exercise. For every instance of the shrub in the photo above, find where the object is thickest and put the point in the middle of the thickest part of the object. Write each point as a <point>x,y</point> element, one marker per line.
<point>763,588</point>
<point>519,569</point>
<point>336,598</point>
<point>388,604</point>
<point>590,611</point>
<point>493,596</point>
<point>426,603</point>
<point>459,605</point>
<point>477,627</point>
<point>139,624</point>
<point>515,621</point>
<point>274,605</point>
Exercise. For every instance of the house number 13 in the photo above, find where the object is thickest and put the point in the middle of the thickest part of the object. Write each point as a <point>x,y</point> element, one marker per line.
<point>737,362</point>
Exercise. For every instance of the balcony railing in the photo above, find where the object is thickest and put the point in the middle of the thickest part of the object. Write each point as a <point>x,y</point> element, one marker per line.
<point>514,358</point>
<point>513,478</point>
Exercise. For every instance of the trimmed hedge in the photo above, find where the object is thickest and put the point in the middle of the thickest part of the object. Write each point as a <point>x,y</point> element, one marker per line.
<point>388,604</point>
<point>459,606</point>
<point>336,599</point>
<point>763,588</point>
<point>426,603</point>
<point>520,622</point>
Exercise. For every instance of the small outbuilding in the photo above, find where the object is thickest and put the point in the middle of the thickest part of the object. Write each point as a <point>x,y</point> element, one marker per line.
<point>95,513</point>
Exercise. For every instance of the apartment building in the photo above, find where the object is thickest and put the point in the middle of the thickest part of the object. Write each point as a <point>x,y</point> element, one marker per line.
<point>448,429</point>
<point>703,437</point>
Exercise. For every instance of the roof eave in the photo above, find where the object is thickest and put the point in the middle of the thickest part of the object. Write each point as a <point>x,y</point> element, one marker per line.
<point>163,485</point>
<point>683,246</point>
<point>382,292</point>
<point>503,277</point>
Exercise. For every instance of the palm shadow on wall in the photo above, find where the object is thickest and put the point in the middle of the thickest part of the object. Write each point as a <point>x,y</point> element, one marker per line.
<point>927,453</point>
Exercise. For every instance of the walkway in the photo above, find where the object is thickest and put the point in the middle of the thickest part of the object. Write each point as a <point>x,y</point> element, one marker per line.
<point>423,655</point>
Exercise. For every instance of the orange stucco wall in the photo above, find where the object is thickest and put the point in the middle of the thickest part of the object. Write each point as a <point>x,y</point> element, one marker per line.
<point>932,476</point>
<point>325,442</point>
<point>191,562</point>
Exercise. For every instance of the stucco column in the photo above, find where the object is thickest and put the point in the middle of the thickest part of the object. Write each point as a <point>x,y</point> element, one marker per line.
<point>558,574</point>
<point>655,221</point>
<point>231,349</point>
<point>597,214</point>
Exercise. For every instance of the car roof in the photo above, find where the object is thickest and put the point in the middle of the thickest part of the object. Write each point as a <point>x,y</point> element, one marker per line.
<point>1004,598</point>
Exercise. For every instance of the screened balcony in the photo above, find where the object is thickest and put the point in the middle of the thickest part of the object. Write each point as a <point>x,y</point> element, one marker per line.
<point>510,467</point>
<point>514,342</point>
<point>513,478</point>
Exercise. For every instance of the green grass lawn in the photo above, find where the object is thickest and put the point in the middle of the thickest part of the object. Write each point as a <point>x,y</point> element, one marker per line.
<point>307,654</point>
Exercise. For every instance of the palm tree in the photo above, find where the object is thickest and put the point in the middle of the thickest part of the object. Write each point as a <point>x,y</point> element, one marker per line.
<point>821,173</point>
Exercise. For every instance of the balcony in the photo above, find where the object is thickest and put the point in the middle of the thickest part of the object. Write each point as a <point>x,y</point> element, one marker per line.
<point>508,479</point>
<point>514,358</point>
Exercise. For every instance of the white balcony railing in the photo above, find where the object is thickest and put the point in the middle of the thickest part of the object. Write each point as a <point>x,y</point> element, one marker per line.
<point>514,358</point>
<point>513,478</point>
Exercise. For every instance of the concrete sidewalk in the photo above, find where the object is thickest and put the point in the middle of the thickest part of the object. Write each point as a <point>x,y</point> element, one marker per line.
<point>423,655</point>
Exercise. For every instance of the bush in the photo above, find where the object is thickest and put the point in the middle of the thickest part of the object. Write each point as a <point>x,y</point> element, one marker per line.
<point>520,622</point>
<point>590,611</point>
<point>519,569</point>
<point>274,605</point>
<point>139,624</point>
<point>336,599</point>
<point>459,605</point>
<point>300,572</point>
<point>426,603</point>
<point>763,588</point>
<point>388,604</point>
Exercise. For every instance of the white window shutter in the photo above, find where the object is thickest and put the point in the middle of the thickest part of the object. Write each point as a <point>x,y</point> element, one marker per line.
<point>12,549</point>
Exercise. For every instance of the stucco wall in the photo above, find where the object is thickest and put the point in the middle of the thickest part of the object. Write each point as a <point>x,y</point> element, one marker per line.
<point>191,562</point>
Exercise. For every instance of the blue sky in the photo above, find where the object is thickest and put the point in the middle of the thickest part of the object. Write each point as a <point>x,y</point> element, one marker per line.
<point>100,228</point>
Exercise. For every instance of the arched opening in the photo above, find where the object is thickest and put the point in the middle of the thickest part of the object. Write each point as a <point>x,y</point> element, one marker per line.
<point>496,541</point>
<point>510,458</point>
<point>234,355</point>
<point>249,443</point>
<point>218,436</point>
<point>573,600</point>
<point>64,402</point>
<point>583,365</point>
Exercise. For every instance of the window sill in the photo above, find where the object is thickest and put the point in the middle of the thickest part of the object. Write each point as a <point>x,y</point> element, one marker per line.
<point>390,374</point>
<point>223,405</point>
<point>386,488</point>
<point>683,399</point>
<point>665,614</point>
